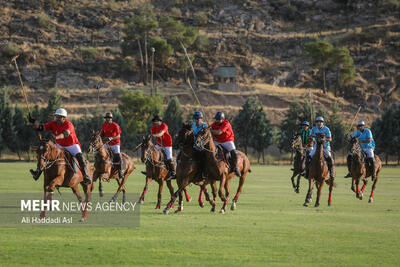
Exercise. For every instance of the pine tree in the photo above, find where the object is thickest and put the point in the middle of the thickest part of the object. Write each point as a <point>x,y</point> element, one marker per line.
<point>22,133</point>
<point>334,122</point>
<point>53,104</point>
<point>173,116</point>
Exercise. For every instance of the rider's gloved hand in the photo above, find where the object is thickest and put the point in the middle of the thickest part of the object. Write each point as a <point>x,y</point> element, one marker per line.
<point>108,139</point>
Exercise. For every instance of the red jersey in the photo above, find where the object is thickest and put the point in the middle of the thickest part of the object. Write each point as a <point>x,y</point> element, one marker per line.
<point>165,140</point>
<point>58,129</point>
<point>227,132</point>
<point>111,130</point>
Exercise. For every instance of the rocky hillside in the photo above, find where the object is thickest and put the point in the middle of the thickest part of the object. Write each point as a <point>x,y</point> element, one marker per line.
<point>75,45</point>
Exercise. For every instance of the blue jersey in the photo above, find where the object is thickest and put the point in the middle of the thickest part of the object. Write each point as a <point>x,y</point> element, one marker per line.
<point>363,136</point>
<point>197,129</point>
<point>315,130</point>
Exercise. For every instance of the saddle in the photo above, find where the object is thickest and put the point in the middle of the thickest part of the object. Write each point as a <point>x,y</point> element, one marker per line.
<point>224,155</point>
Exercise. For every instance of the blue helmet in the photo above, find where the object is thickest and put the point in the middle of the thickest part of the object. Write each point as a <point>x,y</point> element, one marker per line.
<point>197,115</point>
<point>305,123</point>
<point>219,115</point>
<point>361,123</point>
<point>319,118</point>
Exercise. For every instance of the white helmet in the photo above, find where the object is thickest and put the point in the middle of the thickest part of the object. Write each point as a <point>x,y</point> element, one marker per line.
<point>361,123</point>
<point>61,112</point>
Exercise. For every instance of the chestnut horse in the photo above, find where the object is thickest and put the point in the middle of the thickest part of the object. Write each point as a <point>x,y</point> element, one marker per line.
<point>218,169</point>
<point>187,169</point>
<point>298,162</point>
<point>105,169</point>
<point>319,173</point>
<point>155,170</point>
<point>58,172</point>
<point>359,170</point>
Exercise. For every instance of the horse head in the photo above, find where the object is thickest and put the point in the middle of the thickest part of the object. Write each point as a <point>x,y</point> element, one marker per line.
<point>47,149</point>
<point>203,138</point>
<point>321,138</point>
<point>296,143</point>
<point>183,135</point>
<point>354,147</point>
<point>95,142</point>
<point>145,146</point>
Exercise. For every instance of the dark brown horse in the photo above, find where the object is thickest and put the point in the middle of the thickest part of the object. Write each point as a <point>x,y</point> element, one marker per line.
<point>155,170</point>
<point>359,170</point>
<point>298,162</point>
<point>187,170</point>
<point>105,169</point>
<point>319,173</point>
<point>58,172</point>
<point>218,169</point>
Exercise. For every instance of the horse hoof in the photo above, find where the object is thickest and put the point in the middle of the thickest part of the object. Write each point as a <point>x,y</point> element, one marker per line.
<point>222,211</point>
<point>141,201</point>
<point>360,197</point>
<point>101,194</point>
<point>212,209</point>
<point>316,205</point>
<point>166,211</point>
<point>201,204</point>
<point>177,211</point>
<point>157,207</point>
<point>233,206</point>
<point>189,199</point>
<point>305,204</point>
<point>82,220</point>
<point>370,200</point>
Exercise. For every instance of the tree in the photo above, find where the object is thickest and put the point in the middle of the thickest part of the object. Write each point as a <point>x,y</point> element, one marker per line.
<point>53,104</point>
<point>173,116</point>
<point>138,109</point>
<point>386,131</point>
<point>320,52</point>
<point>289,126</point>
<point>343,63</point>
<point>163,50</point>
<point>262,134</point>
<point>22,132</point>
<point>252,128</point>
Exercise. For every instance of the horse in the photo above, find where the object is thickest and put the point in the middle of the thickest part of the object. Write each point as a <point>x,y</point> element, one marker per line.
<point>319,173</point>
<point>105,169</point>
<point>359,171</point>
<point>58,172</point>
<point>187,168</point>
<point>218,169</point>
<point>299,161</point>
<point>155,170</point>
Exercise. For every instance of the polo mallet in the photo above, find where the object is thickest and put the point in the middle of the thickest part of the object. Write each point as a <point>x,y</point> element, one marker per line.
<point>197,99</point>
<point>355,116</point>
<point>14,59</point>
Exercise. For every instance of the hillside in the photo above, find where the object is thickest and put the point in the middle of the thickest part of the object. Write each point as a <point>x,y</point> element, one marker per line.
<point>75,45</point>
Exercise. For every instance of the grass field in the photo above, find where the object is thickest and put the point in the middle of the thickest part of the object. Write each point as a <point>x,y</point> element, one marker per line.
<point>270,227</point>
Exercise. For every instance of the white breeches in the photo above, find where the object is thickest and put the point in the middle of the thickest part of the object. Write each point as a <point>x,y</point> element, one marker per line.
<point>116,149</point>
<point>227,145</point>
<point>74,149</point>
<point>167,150</point>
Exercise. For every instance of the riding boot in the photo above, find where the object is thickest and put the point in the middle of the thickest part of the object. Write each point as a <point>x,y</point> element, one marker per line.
<point>349,158</point>
<point>82,165</point>
<point>118,164</point>
<point>235,158</point>
<point>308,161</point>
<point>331,167</point>
<point>171,168</point>
<point>372,166</point>
<point>36,173</point>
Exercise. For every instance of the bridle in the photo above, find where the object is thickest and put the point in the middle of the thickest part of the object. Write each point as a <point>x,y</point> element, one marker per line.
<point>202,139</point>
<point>148,159</point>
<point>46,162</point>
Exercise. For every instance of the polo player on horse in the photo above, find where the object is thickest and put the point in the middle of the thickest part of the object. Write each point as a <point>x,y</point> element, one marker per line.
<point>223,135</point>
<point>366,140</point>
<point>197,125</point>
<point>64,132</point>
<point>305,133</point>
<point>112,133</point>
<point>321,128</point>
<point>164,142</point>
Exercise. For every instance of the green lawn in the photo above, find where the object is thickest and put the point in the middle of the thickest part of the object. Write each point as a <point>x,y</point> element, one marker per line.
<point>270,227</point>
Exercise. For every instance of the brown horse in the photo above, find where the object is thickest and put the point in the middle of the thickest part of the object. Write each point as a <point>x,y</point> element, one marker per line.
<point>359,170</point>
<point>187,170</point>
<point>299,161</point>
<point>218,169</point>
<point>155,170</point>
<point>105,169</point>
<point>58,172</point>
<point>319,173</point>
